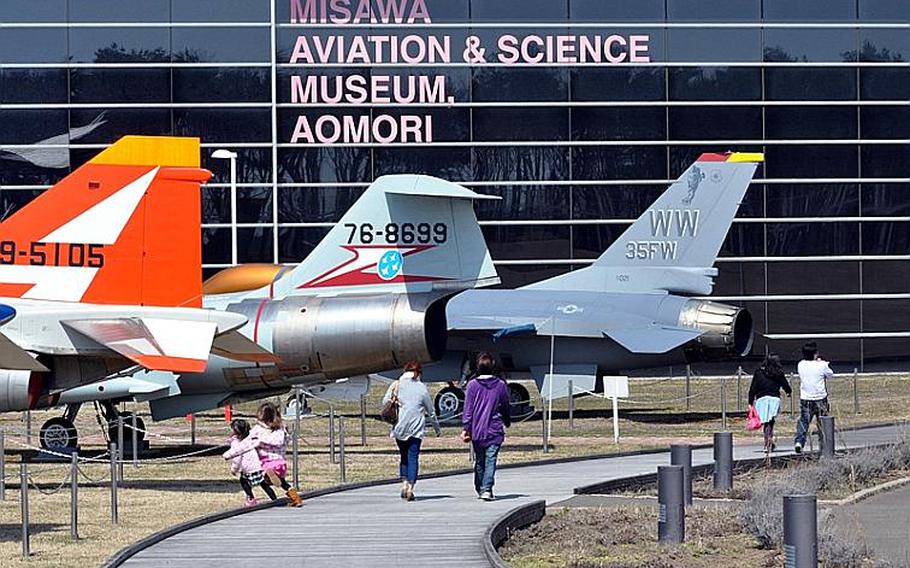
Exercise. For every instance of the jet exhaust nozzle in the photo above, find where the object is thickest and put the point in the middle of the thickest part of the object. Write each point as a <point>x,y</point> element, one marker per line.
<point>727,329</point>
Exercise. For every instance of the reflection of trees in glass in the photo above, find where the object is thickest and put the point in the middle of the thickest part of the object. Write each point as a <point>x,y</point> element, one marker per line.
<point>514,163</point>
<point>324,165</point>
<point>520,84</point>
<point>778,53</point>
<point>869,52</point>
<point>116,53</point>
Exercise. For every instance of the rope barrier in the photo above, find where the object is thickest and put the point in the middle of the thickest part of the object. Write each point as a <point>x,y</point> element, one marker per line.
<point>37,488</point>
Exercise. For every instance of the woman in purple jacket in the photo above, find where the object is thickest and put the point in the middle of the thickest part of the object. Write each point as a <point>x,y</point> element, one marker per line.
<point>486,416</point>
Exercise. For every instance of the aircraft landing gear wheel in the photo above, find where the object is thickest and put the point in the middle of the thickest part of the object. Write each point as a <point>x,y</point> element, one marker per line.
<point>127,431</point>
<point>519,399</point>
<point>58,433</point>
<point>449,403</point>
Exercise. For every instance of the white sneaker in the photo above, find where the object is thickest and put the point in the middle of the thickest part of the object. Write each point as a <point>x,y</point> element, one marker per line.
<point>487,496</point>
<point>798,448</point>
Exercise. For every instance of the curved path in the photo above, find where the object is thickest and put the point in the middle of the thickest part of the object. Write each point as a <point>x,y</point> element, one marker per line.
<point>372,527</point>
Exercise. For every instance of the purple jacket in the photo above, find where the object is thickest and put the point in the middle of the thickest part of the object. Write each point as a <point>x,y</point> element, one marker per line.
<point>486,410</point>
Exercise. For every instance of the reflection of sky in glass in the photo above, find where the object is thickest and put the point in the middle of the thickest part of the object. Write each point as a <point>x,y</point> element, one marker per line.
<point>827,45</point>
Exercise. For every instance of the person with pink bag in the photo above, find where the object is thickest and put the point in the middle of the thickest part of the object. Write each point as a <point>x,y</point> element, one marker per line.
<point>764,396</point>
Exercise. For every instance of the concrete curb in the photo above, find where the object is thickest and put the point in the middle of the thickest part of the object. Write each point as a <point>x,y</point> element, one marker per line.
<point>501,530</point>
<point>866,493</point>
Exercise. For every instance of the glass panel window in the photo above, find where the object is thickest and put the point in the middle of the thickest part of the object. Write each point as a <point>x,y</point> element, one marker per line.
<point>530,124</point>
<point>254,165</point>
<point>885,83</point>
<point>524,202</point>
<point>119,11</point>
<point>255,245</point>
<point>691,45</point>
<point>221,10</point>
<point>216,204</point>
<point>881,276</point>
<point>315,205</point>
<point>715,123</point>
<point>32,11</point>
<point>819,316</point>
<point>813,200</point>
<point>886,161</point>
<point>714,10</point>
<point>323,165</point>
<point>120,85</point>
<point>119,45</point>
<point>296,243</point>
<point>886,315</point>
<point>809,10</point>
<point>33,45</point>
<point>715,84</point>
<point>740,279</point>
<point>800,45</point>
<point>886,237</point>
<point>590,241</point>
<point>885,44</point>
<point>21,126</point>
<point>823,161</point>
<point>618,84</point>
<point>100,126</point>
<point>810,83</point>
<point>885,122</point>
<point>224,125</point>
<point>617,10</point>
<point>795,122</point>
<point>33,86</point>
<point>613,201</point>
<point>812,239</point>
<point>619,162</point>
<point>517,276</point>
<point>222,84</point>
<point>494,84</point>
<point>744,239</point>
<point>518,11</point>
<point>527,243</point>
<point>448,163</point>
<point>216,246</point>
<point>12,200</point>
<point>829,277</point>
<point>883,11</point>
<point>226,45</point>
<point>885,199</point>
<point>254,204</point>
<point>619,123</point>
<point>521,163</point>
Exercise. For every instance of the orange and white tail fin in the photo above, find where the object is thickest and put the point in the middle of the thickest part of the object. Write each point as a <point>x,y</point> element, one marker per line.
<point>121,229</point>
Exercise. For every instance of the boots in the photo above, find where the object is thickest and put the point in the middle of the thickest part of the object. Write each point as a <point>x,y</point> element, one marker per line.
<point>295,498</point>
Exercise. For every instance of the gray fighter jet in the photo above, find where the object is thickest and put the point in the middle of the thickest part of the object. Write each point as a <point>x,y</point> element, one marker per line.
<point>632,309</point>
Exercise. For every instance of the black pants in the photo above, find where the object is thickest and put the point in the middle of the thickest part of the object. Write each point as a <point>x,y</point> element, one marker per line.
<point>248,488</point>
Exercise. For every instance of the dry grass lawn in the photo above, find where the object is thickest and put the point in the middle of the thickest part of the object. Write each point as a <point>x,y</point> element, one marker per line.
<point>157,495</point>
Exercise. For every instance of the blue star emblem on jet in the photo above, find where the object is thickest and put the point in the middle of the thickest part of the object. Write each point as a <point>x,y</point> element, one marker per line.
<point>390,265</point>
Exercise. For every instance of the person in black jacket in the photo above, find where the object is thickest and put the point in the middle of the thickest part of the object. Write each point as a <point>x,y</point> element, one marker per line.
<point>764,393</point>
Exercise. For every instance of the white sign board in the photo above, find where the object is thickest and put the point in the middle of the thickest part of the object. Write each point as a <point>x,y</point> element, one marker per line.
<point>616,387</point>
<point>580,384</point>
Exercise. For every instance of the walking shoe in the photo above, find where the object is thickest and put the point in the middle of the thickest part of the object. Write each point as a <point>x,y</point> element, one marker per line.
<point>404,493</point>
<point>294,496</point>
<point>250,502</point>
<point>487,496</point>
<point>798,448</point>
<point>410,496</point>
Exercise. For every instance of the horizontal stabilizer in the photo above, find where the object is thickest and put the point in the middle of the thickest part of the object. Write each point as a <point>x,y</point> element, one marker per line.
<point>178,346</point>
<point>15,358</point>
<point>652,338</point>
<point>234,345</point>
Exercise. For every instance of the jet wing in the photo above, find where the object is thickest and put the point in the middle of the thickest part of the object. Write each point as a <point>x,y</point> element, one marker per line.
<point>14,357</point>
<point>652,338</point>
<point>235,345</point>
<point>178,346</point>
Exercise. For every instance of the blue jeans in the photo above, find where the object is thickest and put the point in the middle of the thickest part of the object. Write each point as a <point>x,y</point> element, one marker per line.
<point>809,409</point>
<point>485,467</point>
<point>410,458</point>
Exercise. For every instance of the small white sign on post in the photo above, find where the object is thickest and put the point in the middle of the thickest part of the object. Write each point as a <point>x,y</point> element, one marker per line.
<point>616,388</point>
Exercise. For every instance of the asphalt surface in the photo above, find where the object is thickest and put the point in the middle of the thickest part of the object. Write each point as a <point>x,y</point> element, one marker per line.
<point>885,519</point>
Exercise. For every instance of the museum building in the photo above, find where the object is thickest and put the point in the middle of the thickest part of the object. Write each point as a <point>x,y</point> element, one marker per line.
<point>578,113</point>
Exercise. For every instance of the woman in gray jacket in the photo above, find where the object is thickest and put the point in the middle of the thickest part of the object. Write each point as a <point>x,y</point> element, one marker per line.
<point>414,406</point>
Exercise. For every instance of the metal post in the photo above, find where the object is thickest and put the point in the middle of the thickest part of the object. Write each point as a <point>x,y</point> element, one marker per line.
<point>739,388</point>
<point>800,531</point>
<point>331,435</point>
<point>855,391</point>
<point>615,402</point>
<point>112,449</point>
<point>363,420</point>
<point>688,386</point>
<point>135,441</point>
<point>723,461</point>
<point>571,405</point>
<point>74,496</point>
<point>681,454</point>
<point>296,444</point>
<point>793,394</point>
<point>826,436</point>
<point>23,502</point>
<point>344,476</point>
<point>671,521</point>
<point>723,402</point>
<point>120,445</point>
<point>28,427</point>
<point>193,430</point>
<point>543,426</point>
<point>2,467</point>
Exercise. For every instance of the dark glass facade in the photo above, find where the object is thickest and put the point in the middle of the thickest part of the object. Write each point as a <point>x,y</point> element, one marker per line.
<point>821,245</point>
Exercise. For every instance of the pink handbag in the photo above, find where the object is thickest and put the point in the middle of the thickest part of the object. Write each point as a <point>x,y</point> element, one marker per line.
<point>753,422</point>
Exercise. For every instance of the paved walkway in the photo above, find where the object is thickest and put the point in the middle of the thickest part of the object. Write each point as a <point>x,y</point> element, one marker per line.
<point>444,527</point>
<point>885,519</point>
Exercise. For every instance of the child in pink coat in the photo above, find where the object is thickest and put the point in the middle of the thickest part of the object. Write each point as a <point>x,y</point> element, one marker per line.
<point>245,461</point>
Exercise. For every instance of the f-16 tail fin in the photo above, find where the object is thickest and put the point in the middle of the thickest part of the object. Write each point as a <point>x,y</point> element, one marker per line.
<point>406,232</point>
<point>121,229</point>
<point>674,244</point>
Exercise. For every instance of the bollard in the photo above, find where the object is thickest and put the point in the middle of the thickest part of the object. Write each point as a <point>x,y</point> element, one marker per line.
<point>28,427</point>
<point>723,461</point>
<point>681,455</point>
<point>826,436</point>
<point>739,389</point>
<point>800,531</point>
<point>855,391</point>
<point>723,402</point>
<point>135,440</point>
<point>543,426</point>
<point>2,467</point>
<point>74,496</point>
<point>112,449</point>
<point>120,446</point>
<point>363,420</point>
<point>571,405</point>
<point>193,430</point>
<point>296,445</point>
<point>23,503</point>
<point>331,435</point>
<point>688,387</point>
<point>344,476</point>
<point>671,521</point>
